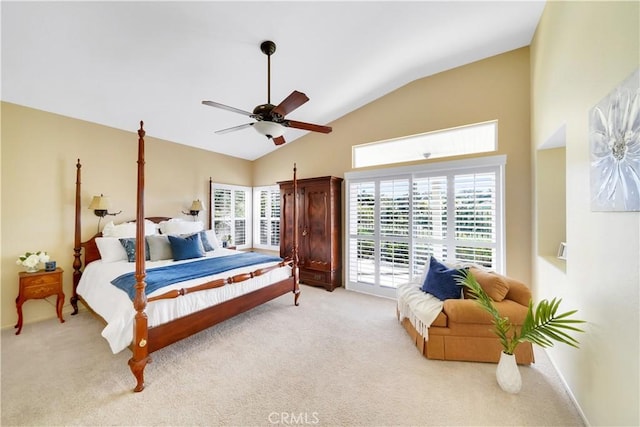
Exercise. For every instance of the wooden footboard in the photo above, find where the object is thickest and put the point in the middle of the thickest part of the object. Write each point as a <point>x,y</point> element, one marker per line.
<point>168,333</point>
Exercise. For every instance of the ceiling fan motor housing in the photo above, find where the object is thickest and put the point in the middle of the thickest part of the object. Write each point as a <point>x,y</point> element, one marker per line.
<point>264,112</point>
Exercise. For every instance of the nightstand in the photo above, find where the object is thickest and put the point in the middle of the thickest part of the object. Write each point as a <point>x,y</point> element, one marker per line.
<point>37,286</point>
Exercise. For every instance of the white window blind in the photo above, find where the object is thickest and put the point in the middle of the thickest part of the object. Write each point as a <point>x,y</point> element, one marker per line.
<point>475,218</point>
<point>394,216</point>
<point>398,217</point>
<point>267,215</point>
<point>232,214</point>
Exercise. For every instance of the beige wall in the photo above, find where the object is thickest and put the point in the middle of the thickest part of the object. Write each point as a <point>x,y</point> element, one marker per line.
<point>39,153</point>
<point>581,51</point>
<point>495,88</point>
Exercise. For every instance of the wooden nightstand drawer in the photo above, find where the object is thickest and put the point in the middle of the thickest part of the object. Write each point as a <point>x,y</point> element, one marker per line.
<point>40,290</point>
<point>40,280</point>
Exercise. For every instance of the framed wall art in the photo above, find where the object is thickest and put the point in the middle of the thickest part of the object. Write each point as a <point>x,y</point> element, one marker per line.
<point>614,139</point>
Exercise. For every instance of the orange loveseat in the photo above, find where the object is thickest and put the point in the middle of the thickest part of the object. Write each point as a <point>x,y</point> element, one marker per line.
<point>463,331</point>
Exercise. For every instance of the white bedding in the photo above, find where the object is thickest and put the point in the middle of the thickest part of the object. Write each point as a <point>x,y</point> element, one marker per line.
<point>115,307</point>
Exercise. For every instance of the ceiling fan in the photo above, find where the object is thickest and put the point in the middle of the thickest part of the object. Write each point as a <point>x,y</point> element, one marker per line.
<point>271,119</point>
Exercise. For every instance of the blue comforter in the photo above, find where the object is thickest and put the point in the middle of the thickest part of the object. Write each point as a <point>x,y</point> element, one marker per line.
<point>160,277</point>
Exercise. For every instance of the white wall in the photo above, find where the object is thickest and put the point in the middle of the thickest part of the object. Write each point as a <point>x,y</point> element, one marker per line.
<point>581,51</point>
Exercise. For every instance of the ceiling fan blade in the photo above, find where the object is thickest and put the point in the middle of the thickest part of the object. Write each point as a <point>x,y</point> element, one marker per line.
<point>279,140</point>
<point>290,103</point>
<point>307,126</point>
<point>227,130</point>
<point>226,107</point>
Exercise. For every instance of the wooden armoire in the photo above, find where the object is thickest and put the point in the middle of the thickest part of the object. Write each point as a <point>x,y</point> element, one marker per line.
<point>319,230</point>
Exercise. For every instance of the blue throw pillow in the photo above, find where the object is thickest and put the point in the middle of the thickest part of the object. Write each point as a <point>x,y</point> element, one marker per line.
<point>441,281</point>
<point>186,247</point>
<point>129,246</point>
<point>205,242</point>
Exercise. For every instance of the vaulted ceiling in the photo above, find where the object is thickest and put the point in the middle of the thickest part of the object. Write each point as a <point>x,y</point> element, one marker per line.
<point>115,63</point>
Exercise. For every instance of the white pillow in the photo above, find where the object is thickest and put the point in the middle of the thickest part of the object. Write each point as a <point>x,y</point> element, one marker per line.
<point>111,250</point>
<point>150,228</point>
<point>159,248</point>
<point>427,263</point>
<point>177,226</point>
<point>213,239</point>
<point>128,229</point>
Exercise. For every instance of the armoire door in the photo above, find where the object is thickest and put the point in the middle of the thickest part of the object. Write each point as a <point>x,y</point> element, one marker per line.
<point>316,228</point>
<point>286,221</point>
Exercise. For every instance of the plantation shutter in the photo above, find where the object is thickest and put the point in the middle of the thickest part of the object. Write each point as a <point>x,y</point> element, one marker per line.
<point>475,218</point>
<point>222,212</point>
<point>394,218</point>
<point>395,223</point>
<point>268,217</point>
<point>232,214</point>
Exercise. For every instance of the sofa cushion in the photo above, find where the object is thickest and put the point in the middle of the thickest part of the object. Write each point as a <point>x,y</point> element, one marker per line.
<point>518,292</point>
<point>469,312</point>
<point>494,284</point>
<point>442,281</point>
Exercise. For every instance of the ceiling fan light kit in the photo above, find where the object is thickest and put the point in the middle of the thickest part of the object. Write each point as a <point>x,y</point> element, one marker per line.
<point>269,129</point>
<point>270,119</point>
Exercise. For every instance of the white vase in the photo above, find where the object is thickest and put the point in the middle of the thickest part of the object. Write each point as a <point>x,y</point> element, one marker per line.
<point>508,374</point>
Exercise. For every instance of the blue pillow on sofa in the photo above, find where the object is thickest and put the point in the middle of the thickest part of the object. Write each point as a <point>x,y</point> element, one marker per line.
<point>186,247</point>
<point>441,281</point>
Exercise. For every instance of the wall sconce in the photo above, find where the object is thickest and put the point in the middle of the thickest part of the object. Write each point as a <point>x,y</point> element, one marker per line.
<point>195,209</point>
<point>100,206</point>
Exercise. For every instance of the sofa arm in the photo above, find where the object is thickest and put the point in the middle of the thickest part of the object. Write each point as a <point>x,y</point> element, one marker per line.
<point>518,292</point>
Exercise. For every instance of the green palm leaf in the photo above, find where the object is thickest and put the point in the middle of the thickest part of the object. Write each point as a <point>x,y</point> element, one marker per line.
<point>542,325</point>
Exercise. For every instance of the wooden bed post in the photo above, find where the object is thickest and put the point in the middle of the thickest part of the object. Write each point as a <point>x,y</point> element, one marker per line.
<point>294,254</point>
<point>77,263</point>
<point>140,356</point>
<point>210,207</point>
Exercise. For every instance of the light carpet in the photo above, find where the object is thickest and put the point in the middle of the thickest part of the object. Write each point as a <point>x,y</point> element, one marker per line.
<point>340,358</point>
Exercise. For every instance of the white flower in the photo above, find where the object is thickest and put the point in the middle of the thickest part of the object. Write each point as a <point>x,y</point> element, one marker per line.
<point>32,259</point>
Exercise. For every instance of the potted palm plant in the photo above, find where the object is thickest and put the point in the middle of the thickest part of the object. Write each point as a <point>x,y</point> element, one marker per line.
<point>542,325</point>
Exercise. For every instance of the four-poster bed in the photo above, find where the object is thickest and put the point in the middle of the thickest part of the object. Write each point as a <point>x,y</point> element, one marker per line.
<point>211,299</point>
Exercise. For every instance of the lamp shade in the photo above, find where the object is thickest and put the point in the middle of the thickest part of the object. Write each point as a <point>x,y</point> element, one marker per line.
<point>269,129</point>
<point>100,203</point>
<point>196,206</point>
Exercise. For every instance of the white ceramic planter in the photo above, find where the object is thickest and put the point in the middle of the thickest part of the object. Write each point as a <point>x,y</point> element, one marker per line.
<point>508,374</point>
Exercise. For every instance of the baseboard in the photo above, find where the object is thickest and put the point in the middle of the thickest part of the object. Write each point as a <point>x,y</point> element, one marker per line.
<point>566,387</point>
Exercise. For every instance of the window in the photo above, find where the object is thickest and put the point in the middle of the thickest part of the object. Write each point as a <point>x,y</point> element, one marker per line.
<point>397,218</point>
<point>232,214</point>
<point>471,139</point>
<point>266,202</point>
